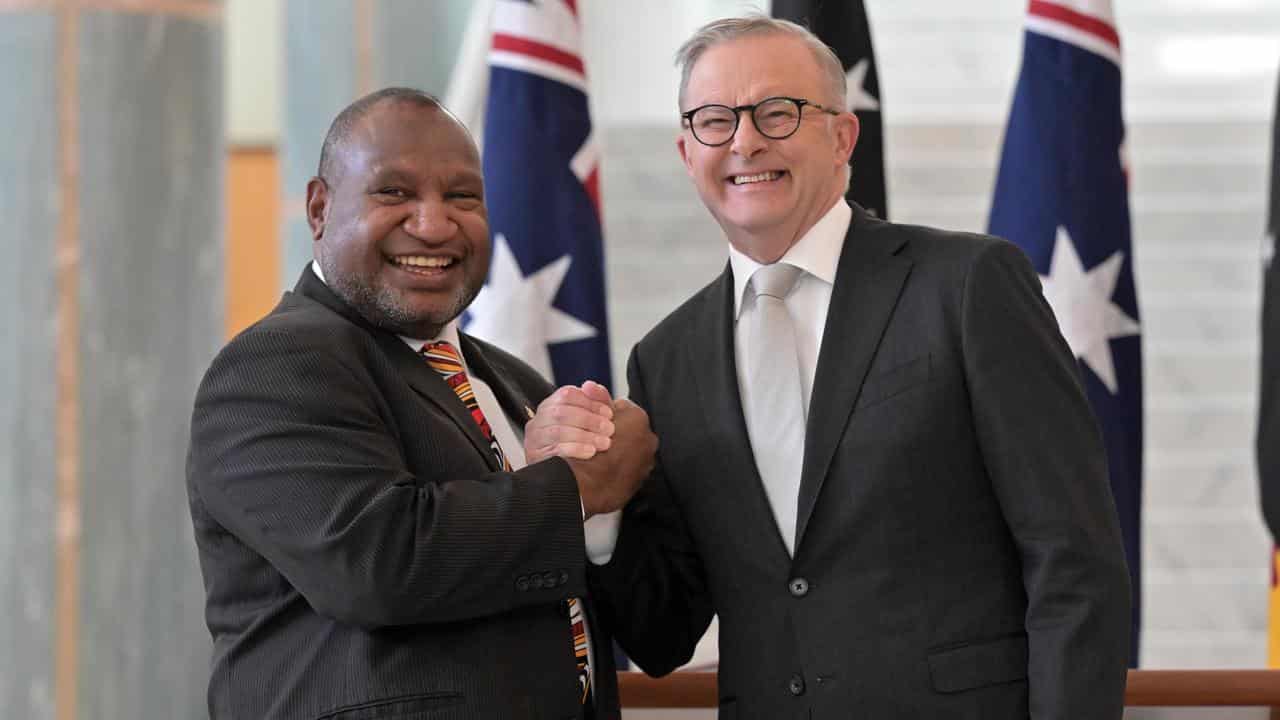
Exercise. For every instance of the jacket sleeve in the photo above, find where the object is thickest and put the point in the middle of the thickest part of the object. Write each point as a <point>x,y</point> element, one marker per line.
<point>653,591</point>
<point>293,451</point>
<point>1048,467</point>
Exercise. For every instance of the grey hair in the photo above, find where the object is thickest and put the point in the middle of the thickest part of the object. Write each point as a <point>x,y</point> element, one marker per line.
<point>727,29</point>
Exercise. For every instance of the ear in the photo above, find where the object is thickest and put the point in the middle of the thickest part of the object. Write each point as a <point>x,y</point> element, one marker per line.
<point>317,206</point>
<point>682,145</point>
<point>847,128</point>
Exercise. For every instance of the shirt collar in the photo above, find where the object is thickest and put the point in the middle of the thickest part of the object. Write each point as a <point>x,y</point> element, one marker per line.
<point>817,252</point>
<point>449,333</point>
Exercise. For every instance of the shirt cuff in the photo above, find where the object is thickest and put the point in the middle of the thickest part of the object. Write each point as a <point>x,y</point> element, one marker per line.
<point>602,535</point>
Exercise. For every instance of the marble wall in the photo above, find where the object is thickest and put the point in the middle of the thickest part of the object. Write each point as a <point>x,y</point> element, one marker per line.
<point>111,169</point>
<point>29,164</point>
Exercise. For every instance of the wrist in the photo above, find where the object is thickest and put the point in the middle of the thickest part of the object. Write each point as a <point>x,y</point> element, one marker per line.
<point>581,480</point>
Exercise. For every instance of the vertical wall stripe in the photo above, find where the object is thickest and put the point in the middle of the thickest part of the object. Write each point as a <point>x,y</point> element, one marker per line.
<point>364,47</point>
<point>253,236</point>
<point>66,657</point>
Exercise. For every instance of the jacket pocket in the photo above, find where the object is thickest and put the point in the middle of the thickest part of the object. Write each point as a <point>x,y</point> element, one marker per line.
<point>979,664</point>
<point>410,706</point>
<point>884,385</point>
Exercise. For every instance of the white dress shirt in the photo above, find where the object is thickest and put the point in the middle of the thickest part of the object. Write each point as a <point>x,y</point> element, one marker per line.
<point>817,253</point>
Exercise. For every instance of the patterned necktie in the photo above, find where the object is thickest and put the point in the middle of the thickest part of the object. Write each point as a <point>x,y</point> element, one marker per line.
<point>443,357</point>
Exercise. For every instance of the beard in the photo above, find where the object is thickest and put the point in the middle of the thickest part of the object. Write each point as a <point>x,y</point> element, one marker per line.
<point>385,308</point>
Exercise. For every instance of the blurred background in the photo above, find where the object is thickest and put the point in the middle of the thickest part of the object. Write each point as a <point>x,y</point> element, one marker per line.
<point>153,162</point>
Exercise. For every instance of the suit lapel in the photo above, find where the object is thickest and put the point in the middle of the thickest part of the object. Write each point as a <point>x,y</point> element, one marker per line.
<point>869,279</point>
<point>410,365</point>
<point>429,384</point>
<point>711,352</point>
<point>517,405</point>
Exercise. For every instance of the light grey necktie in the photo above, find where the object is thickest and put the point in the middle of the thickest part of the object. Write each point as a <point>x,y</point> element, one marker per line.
<point>773,402</point>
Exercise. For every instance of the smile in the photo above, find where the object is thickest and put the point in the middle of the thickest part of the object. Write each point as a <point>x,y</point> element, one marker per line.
<point>769,176</point>
<point>422,263</point>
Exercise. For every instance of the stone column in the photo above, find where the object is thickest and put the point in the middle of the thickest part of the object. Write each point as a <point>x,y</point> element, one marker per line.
<point>337,51</point>
<point>111,162</point>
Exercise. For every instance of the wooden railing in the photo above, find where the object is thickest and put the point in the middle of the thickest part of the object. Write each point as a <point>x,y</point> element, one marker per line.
<point>1146,688</point>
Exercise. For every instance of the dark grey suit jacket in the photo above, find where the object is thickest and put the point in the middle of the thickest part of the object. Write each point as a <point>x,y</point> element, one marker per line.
<point>363,553</point>
<point>957,553</point>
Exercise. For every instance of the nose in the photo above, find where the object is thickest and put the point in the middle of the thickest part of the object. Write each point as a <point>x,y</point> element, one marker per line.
<point>747,141</point>
<point>431,221</point>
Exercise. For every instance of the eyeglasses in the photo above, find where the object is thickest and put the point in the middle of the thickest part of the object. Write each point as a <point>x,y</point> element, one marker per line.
<point>776,117</point>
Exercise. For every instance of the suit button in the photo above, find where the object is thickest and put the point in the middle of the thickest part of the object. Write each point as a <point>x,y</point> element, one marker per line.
<point>522,583</point>
<point>796,686</point>
<point>799,587</point>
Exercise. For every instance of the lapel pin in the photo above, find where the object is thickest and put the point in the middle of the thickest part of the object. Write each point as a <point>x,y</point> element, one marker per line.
<point>528,411</point>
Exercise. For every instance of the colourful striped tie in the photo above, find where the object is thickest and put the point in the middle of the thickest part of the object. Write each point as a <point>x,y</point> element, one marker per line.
<point>443,357</point>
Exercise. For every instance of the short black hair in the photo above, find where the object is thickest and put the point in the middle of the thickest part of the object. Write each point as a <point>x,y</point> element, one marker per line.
<point>352,114</point>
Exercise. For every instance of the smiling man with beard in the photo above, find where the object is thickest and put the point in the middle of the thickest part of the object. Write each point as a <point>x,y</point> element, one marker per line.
<point>377,535</point>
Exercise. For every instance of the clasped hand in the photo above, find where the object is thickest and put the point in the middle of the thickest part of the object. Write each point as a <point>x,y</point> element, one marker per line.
<point>607,443</point>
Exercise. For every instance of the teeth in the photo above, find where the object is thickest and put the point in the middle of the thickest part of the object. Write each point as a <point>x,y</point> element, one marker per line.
<point>422,261</point>
<point>762,177</point>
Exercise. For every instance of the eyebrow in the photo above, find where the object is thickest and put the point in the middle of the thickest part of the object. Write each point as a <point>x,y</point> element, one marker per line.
<point>466,176</point>
<point>388,173</point>
<point>392,173</point>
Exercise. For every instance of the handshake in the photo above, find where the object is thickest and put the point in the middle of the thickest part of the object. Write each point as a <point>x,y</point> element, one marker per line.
<point>607,443</point>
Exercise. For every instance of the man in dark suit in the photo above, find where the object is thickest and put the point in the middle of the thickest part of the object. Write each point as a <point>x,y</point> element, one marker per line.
<point>877,464</point>
<point>376,541</point>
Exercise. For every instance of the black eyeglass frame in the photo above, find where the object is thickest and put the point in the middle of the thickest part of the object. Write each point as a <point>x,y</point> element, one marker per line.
<point>800,103</point>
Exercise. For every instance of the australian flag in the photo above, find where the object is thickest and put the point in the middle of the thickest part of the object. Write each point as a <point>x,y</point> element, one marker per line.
<point>544,300</point>
<point>1062,195</point>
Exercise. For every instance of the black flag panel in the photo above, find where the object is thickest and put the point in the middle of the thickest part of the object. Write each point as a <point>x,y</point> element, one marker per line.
<point>1269,401</point>
<point>842,24</point>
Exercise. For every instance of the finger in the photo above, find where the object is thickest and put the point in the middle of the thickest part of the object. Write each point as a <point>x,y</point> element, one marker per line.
<point>553,434</point>
<point>548,436</point>
<point>571,396</point>
<point>575,417</point>
<point>600,394</point>
<point>565,434</point>
<point>572,450</point>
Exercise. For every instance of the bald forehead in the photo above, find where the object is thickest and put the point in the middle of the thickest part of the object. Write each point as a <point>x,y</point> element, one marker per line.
<point>411,122</point>
<point>396,126</point>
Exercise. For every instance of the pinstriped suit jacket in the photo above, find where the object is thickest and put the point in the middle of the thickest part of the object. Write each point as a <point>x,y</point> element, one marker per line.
<point>363,555</point>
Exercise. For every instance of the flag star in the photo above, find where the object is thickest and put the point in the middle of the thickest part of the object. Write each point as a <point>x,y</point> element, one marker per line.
<point>1081,300</point>
<point>515,312</point>
<point>855,87</point>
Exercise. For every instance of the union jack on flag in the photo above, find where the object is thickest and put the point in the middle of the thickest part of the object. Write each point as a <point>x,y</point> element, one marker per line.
<point>1062,195</point>
<point>544,300</point>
